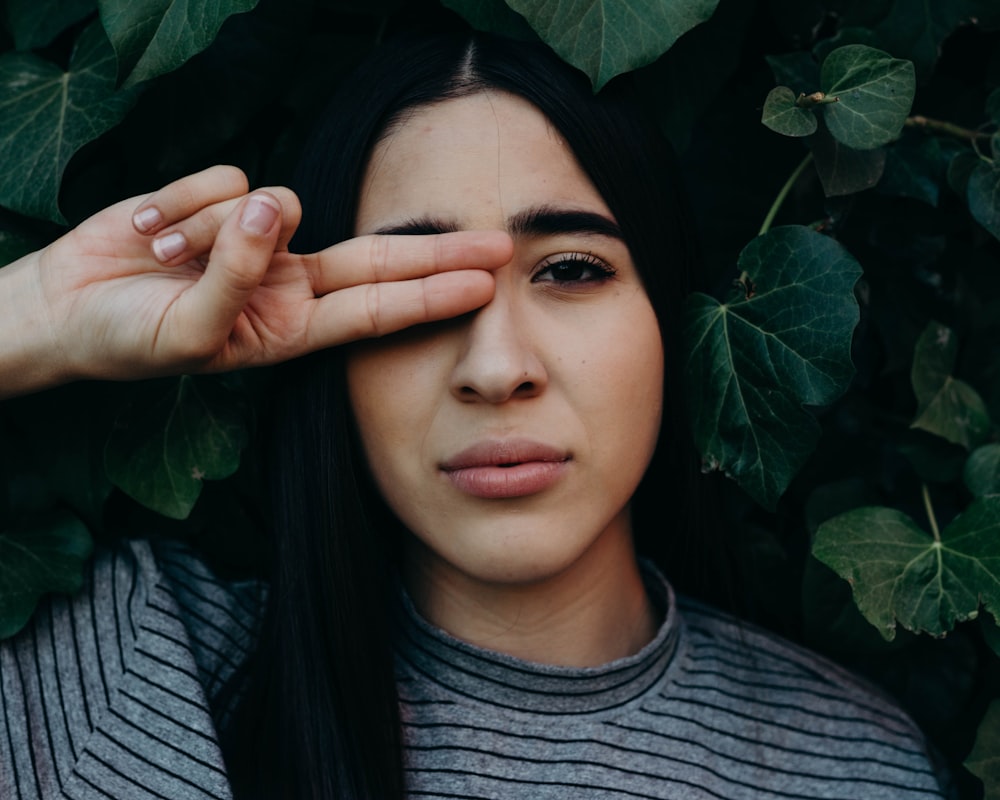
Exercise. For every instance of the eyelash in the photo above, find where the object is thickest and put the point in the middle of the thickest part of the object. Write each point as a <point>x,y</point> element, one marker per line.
<point>600,270</point>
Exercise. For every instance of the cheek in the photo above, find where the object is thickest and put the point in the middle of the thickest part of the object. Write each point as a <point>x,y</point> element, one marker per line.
<point>627,393</point>
<point>395,392</point>
<point>378,405</point>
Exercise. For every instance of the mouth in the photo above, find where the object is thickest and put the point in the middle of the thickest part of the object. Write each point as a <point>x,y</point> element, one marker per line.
<point>506,469</point>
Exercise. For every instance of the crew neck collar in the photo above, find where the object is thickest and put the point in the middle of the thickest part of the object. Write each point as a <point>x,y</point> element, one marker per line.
<point>425,652</point>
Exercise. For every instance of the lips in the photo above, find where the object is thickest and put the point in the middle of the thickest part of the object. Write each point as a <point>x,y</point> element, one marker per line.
<point>505,469</point>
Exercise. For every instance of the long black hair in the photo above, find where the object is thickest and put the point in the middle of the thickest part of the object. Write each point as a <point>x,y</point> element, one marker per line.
<point>321,719</point>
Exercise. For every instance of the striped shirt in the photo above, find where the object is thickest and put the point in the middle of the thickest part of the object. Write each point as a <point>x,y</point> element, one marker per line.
<point>711,709</point>
<point>118,692</point>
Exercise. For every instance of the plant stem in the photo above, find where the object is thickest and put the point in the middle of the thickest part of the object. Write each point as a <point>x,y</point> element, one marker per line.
<point>930,512</point>
<point>947,128</point>
<point>780,199</point>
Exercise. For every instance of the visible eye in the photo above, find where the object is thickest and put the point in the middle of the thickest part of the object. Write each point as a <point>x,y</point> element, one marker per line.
<point>570,268</point>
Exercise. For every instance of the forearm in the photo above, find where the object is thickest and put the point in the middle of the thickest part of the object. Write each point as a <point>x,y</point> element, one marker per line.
<point>30,355</point>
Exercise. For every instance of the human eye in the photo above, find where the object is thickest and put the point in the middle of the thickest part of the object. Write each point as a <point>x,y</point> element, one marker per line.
<point>567,269</point>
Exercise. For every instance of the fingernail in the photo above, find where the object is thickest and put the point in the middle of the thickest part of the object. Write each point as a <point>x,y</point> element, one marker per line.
<point>259,215</point>
<point>166,247</point>
<point>147,219</point>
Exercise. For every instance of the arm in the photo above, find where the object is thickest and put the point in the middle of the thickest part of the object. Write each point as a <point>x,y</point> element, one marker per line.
<point>198,277</point>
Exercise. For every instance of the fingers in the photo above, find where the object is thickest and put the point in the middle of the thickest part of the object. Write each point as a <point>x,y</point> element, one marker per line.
<point>182,198</point>
<point>195,235</point>
<point>243,249</point>
<point>376,309</point>
<point>383,258</point>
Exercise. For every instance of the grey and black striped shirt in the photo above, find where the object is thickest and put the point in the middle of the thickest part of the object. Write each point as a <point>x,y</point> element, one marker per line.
<point>116,693</point>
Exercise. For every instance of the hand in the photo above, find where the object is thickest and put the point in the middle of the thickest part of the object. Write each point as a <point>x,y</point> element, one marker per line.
<point>198,277</point>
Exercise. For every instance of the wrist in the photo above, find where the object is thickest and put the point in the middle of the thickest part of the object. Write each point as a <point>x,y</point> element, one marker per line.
<point>31,355</point>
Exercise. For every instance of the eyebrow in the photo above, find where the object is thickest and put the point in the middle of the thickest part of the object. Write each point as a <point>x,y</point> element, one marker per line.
<point>536,221</point>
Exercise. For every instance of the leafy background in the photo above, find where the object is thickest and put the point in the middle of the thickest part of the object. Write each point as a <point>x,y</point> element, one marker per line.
<point>842,366</point>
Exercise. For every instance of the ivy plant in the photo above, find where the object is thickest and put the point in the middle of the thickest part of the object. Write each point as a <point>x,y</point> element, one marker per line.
<point>841,354</point>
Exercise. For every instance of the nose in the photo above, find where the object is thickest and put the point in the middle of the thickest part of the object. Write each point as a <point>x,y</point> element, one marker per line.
<point>499,360</point>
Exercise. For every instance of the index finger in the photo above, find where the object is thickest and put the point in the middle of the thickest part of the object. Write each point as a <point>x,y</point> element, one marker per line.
<point>381,258</point>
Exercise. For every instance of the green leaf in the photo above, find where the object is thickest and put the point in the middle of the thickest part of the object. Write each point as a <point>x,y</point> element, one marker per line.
<point>843,170</point>
<point>493,16</point>
<point>605,38</point>
<point>993,106</point>
<point>783,116</point>
<point>797,69</point>
<point>916,167</point>
<point>960,171</point>
<point>681,86</point>
<point>44,553</point>
<point>35,23</point>
<point>874,90</point>
<point>753,363</point>
<point>46,115</point>
<point>984,760</point>
<point>983,194</point>
<point>899,574</point>
<point>933,459</point>
<point>982,470</point>
<point>845,36</point>
<point>171,439</point>
<point>915,29</point>
<point>153,37</point>
<point>946,406</point>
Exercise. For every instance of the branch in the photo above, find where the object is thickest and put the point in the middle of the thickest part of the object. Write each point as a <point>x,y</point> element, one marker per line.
<point>946,128</point>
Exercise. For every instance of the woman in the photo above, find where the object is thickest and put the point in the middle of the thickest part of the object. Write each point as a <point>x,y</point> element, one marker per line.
<point>456,608</point>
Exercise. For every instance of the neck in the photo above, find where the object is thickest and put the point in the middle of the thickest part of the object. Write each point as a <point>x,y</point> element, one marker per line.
<point>594,611</point>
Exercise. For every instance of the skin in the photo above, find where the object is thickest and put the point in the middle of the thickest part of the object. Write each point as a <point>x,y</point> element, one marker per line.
<point>197,277</point>
<point>567,355</point>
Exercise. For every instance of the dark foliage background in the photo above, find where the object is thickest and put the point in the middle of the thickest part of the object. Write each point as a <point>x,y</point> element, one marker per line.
<point>891,480</point>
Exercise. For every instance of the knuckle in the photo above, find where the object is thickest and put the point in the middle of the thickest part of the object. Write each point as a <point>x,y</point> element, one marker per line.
<point>373,305</point>
<point>378,256</point>
<point>233,177</point>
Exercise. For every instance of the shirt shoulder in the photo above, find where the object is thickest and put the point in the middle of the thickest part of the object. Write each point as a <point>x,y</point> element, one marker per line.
<point>118,690</point>
<point>745,678</point>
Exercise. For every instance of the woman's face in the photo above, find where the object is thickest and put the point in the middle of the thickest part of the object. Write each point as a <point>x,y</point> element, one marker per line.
<point>508,441</point>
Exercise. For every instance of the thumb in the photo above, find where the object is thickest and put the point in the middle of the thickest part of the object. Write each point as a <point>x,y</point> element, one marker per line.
<point>238,261</point>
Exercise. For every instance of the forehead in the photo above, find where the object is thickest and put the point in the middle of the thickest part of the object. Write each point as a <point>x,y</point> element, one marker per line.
<point>473,161</point>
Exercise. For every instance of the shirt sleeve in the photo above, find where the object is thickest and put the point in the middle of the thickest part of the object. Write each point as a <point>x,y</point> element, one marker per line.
<point>109,693</point>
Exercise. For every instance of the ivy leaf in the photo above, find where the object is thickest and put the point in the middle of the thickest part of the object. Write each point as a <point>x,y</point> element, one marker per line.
<point>946,406</point>
<point>916,166</point>
<point>915,29</point>
<point>170,440</point>
<point>874,90</point>
<point>153,37</point>
<point>960,171</point>
<point>900,574</point>
<point>982,470</point>
<point>845,36</point>
<point>984,760</point>
<point>680,86</point>
<point>753,363</point>
<point>993,105</point>
<point>843,170</point>
<point>782,115</point>
<point>492,16</point>
<point>983,194</point>
<point>46,115</point>
<point>44,553</point>
<point>605,38</point>
<point>35,23</point>
<point>797,69</point>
